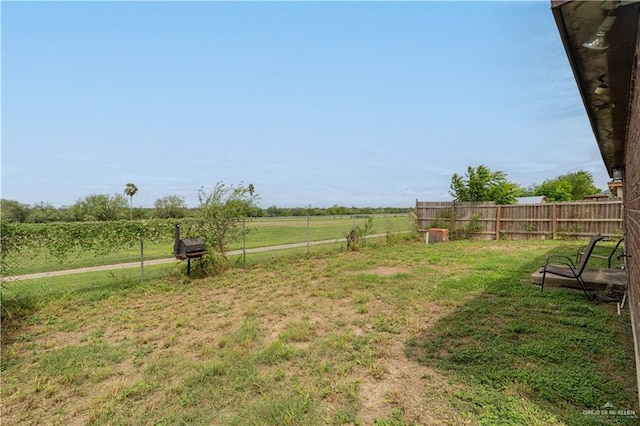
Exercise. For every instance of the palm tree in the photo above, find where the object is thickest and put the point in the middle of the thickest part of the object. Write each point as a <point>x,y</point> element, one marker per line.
<point>130,190</point>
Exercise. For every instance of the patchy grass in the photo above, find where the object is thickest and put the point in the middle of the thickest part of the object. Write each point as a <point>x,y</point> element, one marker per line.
<point>406,334</point>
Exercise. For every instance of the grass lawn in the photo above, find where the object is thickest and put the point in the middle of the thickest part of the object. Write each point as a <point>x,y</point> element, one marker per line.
<point>401,334</point>
<point>261,232</point>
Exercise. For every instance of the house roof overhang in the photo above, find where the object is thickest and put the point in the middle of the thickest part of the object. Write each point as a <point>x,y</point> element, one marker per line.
<point>608,112</point>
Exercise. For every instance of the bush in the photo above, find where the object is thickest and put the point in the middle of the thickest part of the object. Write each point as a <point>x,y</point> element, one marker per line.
<point>355,237</point>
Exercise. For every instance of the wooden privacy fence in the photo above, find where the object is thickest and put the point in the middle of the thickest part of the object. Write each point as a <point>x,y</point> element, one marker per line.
<point>522,221</point>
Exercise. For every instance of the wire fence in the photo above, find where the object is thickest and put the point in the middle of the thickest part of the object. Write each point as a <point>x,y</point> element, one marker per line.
<point>273,236</point>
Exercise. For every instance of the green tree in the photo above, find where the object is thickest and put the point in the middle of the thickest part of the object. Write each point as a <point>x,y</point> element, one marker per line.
<point>141,213</point>
<point>581,184</point>
<point>100,207</point>
<point>43,213</point>
<point>568,187</point>
<point>222,212</point>
<point>272,211</point>
<point>13,211</point>
<point>130,190</point>
<point>481,184</point>
<point>171,206</point>
<point>555,190</point>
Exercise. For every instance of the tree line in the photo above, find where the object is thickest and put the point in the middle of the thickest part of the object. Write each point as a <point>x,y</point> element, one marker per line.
<point>106,207</point>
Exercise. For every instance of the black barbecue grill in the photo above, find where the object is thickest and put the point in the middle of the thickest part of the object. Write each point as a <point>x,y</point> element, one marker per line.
<point>188,248</point>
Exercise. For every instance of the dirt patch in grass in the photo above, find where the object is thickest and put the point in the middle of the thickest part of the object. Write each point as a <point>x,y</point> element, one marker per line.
<point>387,270</point>
<point>417,391</point>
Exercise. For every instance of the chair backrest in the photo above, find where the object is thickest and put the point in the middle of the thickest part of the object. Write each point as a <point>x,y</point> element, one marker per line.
<point>587,253</point>
<point>615,249</point>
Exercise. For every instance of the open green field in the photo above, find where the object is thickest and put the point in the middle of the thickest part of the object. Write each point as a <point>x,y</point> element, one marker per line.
<point>260,232</point>
<point>395,334</point>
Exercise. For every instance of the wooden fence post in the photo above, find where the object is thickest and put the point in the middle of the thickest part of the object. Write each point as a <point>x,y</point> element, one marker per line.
<point>497,222</point>
<point>553,222</point>
<point>454,219</point>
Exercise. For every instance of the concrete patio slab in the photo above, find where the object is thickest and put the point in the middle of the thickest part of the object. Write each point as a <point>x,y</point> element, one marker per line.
<point>605,281</point>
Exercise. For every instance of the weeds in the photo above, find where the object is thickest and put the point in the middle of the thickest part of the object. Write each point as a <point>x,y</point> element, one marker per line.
<point>355,237</point>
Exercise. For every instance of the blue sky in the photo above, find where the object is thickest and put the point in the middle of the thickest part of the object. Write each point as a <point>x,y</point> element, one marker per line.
<point>321,103</point>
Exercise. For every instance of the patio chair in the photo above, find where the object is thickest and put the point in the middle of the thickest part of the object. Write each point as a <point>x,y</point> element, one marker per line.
<point>610,258</point>
<point>565,267</point>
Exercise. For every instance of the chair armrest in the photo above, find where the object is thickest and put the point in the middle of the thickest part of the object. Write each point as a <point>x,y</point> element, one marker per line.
<point>564,260</point>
